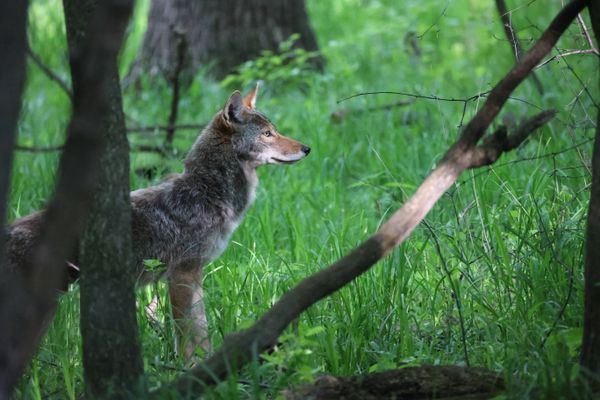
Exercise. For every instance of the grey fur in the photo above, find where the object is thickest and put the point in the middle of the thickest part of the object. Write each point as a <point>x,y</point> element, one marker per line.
<point>186,221</point>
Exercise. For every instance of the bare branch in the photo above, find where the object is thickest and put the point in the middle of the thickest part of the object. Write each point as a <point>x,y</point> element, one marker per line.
<point>238,348</point>
<point>420,96</point>
<point>512,37</point>
<point>339,115</point>
<point>464,100</point>
<point>49,73</point>
<point>153,128</point>
<point>585,32</point>
<point>150,149</point>
<point>493,146</point>
<point>35,149</point>
<point>568,53</point>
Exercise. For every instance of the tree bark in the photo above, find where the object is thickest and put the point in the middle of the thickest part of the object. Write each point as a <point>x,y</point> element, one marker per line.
<point>226,33</point>
<point>590,349</point>
<point>111,350</point>
<point>13,17</point>
<point>27,302</point>
<point>424,382</point>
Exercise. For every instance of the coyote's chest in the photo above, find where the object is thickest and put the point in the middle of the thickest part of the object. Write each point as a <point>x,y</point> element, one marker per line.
<point>215,241</point>
<point>207,235</point>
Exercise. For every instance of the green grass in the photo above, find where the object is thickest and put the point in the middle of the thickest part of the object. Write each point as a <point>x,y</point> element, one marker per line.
<point>510,236</point>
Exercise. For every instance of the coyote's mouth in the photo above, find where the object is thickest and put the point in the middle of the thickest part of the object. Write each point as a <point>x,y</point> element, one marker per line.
<point>280,161</point>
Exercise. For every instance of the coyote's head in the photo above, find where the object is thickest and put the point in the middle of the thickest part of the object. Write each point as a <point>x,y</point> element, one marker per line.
<point>253,137</point>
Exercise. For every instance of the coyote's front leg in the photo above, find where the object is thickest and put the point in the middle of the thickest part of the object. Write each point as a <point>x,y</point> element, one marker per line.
<point>187,304</point>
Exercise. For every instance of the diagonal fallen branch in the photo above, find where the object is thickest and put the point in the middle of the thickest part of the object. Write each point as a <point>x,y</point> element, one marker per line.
<point>239,348</point>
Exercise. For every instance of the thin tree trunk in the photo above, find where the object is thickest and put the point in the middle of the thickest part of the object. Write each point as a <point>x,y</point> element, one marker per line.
<point>111,350</point>
<point>223,33</point>
<point>13,17</point>
<point>590,350</point>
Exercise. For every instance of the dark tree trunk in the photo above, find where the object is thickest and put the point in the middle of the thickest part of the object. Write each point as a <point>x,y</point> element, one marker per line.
<point>111,350</point>
<point>13,17</point>
<point>590,350</point>
<point>26,302</point>
<point>226,33</point>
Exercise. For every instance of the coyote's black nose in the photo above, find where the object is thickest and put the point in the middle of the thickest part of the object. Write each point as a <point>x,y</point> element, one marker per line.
<point>306,149</point>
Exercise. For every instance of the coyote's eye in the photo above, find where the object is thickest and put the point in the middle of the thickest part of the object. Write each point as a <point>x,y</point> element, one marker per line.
<point>268,133</point>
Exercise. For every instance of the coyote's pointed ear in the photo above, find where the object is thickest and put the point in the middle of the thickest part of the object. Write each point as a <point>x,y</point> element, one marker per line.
<point>232,112</point>
<point>250,99</point>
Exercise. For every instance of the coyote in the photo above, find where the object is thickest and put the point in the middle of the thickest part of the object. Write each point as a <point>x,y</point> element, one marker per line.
<point>186,221</point>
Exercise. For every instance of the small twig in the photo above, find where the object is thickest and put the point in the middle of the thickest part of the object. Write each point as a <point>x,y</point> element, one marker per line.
<point>418,96</point>
<point>340,114</point>
<point>582,83</point>
<point>464,100</point>
<point>386,107</point>
<point>153,128</point>
<point>568,53</point>
<point>37,60</point>
<point>33,149</point>
<point>443,13</point>
<point>512,37</point>
<point>150,149</point>
<point>141,148</point>
<point>585,32</point>
<point>520,160</point>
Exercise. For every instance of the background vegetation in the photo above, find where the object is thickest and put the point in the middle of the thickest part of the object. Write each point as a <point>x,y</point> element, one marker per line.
<point>493,279</point>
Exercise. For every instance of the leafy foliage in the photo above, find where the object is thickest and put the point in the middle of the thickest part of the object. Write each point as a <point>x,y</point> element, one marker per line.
<point>290,66</point>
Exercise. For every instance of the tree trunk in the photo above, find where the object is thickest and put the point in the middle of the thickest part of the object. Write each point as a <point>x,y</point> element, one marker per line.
<point>224,33</point>
<point>28,300</point>
<point>590,350</point>
<point>13,17</point>
<point>111,349</point>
